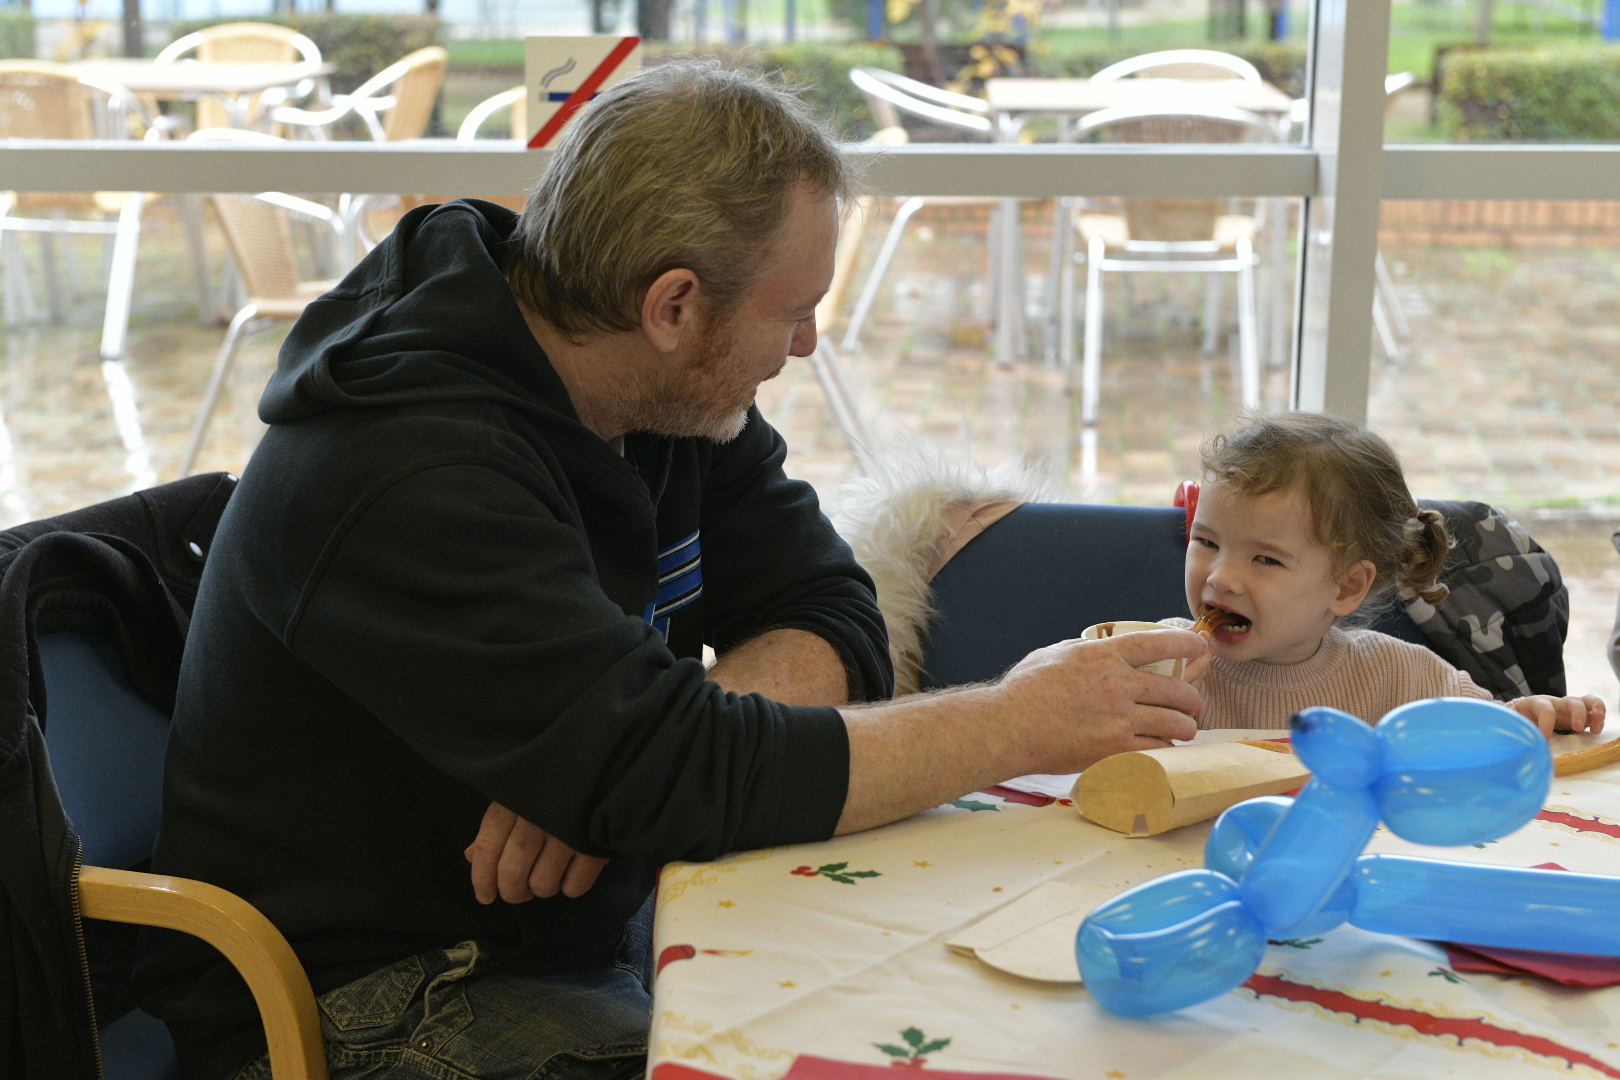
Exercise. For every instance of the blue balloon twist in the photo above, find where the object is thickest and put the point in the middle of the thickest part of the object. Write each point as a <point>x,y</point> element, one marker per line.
<point>1443,772</point>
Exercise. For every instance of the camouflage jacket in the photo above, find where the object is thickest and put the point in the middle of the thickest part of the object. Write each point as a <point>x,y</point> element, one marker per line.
<point>1505,620</point>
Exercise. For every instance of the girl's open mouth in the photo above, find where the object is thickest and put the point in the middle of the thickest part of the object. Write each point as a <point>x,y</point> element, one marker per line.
<point>1227,627</point>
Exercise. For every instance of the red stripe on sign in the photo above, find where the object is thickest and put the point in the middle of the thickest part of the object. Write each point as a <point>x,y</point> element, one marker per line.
<point>565,112</point>
<point>1459,1028</point>
<point>1579,824</point>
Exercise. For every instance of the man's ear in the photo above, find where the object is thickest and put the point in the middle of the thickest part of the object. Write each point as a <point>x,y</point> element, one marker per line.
<point>670,308</point>
<point>1354,585</point>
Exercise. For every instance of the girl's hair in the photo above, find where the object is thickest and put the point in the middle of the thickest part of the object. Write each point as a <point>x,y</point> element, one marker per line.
<point>1351,479</point>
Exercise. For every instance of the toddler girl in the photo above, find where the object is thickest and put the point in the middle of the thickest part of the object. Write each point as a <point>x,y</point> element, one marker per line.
<point>1301,518</point>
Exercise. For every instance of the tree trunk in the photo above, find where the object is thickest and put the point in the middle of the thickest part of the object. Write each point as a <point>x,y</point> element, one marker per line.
<point>599,17</point>
<point>1482,22</point>
<point>134,33</point>
<point>430,7</point>
<point>930,42</point>
<point>652,20</point>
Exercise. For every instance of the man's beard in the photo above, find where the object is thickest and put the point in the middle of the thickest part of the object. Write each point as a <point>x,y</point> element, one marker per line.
<point>708,398</point>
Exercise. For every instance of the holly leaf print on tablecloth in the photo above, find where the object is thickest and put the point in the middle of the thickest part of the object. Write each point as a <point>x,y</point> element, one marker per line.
<point>917,1046</point>
<point>969,804</point>
<point>837,871</point>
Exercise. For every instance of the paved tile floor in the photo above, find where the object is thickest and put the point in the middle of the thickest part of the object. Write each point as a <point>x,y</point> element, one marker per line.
<point>1508,391</point>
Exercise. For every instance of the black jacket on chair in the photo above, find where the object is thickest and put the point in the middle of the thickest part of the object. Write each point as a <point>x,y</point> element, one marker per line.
<point>127,571</point>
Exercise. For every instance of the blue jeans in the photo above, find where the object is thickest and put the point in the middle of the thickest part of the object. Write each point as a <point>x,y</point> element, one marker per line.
<point>439,1016</point>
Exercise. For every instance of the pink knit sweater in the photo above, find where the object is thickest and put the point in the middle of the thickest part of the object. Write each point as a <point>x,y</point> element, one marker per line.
<point>1360,671</point>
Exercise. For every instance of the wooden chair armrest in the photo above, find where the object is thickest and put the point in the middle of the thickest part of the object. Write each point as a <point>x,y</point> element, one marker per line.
<point>235,927</point>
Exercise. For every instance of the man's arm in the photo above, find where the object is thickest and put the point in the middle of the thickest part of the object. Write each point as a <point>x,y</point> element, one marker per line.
<point>1058,710</point>
<point>516,860</point>
<point>794,667</point>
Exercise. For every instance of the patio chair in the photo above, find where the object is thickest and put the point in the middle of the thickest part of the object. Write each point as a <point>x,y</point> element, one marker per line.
<point>1193,235</point>
<point>43,100</point>
<point>888,96</point>
<point>249,42</point>
<point>256,231</point>
<point>1181,64</point>
<point>415,81</point>
<point>514,100</point>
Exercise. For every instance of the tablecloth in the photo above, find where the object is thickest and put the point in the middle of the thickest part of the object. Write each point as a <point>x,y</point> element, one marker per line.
<point>826,962</point>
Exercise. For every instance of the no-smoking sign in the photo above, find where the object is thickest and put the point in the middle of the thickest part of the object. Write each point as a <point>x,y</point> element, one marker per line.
<point>564,73</point>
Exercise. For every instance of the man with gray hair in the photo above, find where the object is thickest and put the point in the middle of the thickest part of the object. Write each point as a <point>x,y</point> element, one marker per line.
<point>514,482</point>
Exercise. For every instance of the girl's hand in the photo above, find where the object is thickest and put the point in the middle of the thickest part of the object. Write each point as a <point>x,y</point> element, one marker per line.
<point>1566,714</point>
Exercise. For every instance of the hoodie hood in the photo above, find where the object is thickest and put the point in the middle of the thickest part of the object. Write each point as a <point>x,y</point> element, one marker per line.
<point>427,316</point>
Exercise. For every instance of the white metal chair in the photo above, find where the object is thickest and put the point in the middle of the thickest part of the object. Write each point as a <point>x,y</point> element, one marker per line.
<point>257,234</point>
<point>515,101</point>
<point>250,42</point>
<point>414,80</point>
<point>1181,64</point>
<point>888,96</point>
<point>43,100</point>
<point>1192,235</point>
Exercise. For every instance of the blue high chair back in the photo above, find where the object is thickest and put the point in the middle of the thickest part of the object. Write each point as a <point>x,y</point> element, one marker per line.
<point>1046,571</point>
<point>106,745</point>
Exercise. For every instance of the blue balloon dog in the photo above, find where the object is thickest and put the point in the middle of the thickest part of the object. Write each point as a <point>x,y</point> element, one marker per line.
<point>1443,772</point>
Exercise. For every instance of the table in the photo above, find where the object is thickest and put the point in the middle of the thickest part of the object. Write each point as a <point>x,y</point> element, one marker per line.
<point>1012,100</point>
<point>802,962</point>
<point>1077,97</point>
<point>233,82</point>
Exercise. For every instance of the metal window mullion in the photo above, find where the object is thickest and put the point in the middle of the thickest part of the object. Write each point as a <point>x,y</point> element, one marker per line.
<point>1339,231</point>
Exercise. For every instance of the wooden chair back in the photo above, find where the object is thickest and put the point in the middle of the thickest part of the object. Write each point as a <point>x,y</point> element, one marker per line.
<point>415,94</point>
<point>248,42</point>
<point>259,239</point>
<point>1175,220</point>
<point>42,100</point>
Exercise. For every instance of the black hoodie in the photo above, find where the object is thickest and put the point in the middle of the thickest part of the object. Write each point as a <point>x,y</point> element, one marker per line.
<point>433,588</point>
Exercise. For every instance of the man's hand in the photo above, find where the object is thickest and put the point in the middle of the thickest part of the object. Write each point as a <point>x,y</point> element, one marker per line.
<point>518,861</point>
<point>1193,674</point>
<point>1080,702</point>
<point>1555,714</point>
<point>1057,711</point>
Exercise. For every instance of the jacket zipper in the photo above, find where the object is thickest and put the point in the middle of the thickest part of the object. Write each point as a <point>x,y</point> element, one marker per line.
<point>84,956</point>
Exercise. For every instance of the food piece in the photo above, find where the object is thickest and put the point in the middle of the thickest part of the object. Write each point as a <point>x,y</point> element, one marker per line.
<point>1214,619</point>
<point>1592,757</point>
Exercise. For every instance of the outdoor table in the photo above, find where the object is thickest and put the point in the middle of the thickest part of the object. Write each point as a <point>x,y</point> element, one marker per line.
<point>1071,98</point>
<point>1013,100</point>
<point>233,82</point>
<point>827,962</point>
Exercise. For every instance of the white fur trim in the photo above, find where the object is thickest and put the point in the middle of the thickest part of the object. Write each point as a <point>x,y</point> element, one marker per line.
<point>892,518</point>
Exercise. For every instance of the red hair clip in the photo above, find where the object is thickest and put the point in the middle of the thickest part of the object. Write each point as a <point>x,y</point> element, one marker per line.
<point>1187,496</point>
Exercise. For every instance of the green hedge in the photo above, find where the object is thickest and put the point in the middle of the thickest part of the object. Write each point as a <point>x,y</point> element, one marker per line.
<point>360,45</point>
<point>1558,94</point>
<point>16,33</point>
<point>819,71</point>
